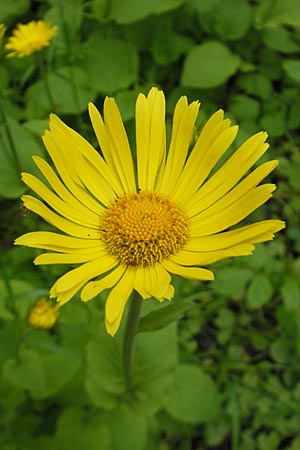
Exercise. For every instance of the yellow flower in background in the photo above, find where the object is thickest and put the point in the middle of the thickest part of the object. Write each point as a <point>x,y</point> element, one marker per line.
<point>44,314</point>
<point>128,228</point>
<point>30,38</point>
<point>2,31</point>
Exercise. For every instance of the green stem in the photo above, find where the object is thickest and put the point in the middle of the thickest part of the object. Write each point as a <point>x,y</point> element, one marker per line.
<point>132,322</point>
<point>10,140</point>
<point>44,76</point>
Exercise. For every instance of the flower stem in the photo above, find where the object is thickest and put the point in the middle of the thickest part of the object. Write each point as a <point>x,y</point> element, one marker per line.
<point>44,76</point>
<point>133,317</point>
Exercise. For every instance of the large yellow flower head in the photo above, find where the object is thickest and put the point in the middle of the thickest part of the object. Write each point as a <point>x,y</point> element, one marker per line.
<point>30,38</point>
<point>128,226</point>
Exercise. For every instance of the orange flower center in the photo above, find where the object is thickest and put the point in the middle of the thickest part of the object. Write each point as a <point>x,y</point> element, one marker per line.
<point>144,228</point>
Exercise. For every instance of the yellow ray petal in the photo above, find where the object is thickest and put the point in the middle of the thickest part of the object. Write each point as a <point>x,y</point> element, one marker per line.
<point>117,299</point>
<point>150,137</point>
<point>192,273</point>
<point>36,206</point>
<point>254,233</point>
<point>231,172</point>
<point>202,160</point>
<point>57,204</point>
<point>76,278</point>
<point>120,152</point>
<point>246,185</point>
<point>182,130</point>
<point>193,258</point>
<point>152,281</point>
<point>236,212</point>
<point>107,177</point>
<point>68,258</point>
<point>63,192</point>
<point>94,288</point>
<point>81,169</point>
<point>59,243</point>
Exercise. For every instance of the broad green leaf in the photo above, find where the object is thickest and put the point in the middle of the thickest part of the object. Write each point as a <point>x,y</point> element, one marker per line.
<point>231,281</point>
<point>26,372</point>
<point>25,146</point>
<point>76,431</point>
<point>280,39</point>
<point>110,64</point>
<point>270,13</point>
<point>152,370</point>
<point>128,11</point>
<point>127,427</point>
<point>291,171</point>
<point>10,10</point>
<point>232,19</point>
<point>209,65</point>
<point>244,108</point>
<point>165,315</point>
<point>290,291</point>
<point>194,397</point>
<point>292,69</point>
<point>167,46</point>
<point>260,291</point>
<point>256,84</point>
<point>275,122</point>
<point>71,91</point>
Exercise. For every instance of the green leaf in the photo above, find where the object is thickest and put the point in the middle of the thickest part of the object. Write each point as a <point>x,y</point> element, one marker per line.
<point>9,10</point>
<point>244,108</point>
<point>280,39</point>
<point>131,428</point>
<point>128,11</point>
<point>291,171</point>
<point>231,281</point>
<point>165,315</point>
<point>270,13</point>
<point>232,19</point>
<point>194,397</point>
<point>209,65</point>
<point>292,69</point>
<point>260,291</point>
<point>25,146</point>
<point>26,372</point>
<point>152,373</point>
<point>290,292</point>
<point>256,84</point>
<point>110,64</point>
<point>77,432</point>
<point>69,98</point>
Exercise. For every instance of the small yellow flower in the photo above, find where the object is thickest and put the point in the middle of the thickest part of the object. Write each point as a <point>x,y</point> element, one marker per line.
<point>30,38</point>
<point>129,227</point>
<point>44,314</point>
<point>2,31</point>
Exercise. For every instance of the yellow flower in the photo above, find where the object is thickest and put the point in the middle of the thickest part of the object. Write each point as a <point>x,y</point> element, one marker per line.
<point>43,314</point>
<point>30,38</point>
<point>2,31</point>
<point>130,227</point>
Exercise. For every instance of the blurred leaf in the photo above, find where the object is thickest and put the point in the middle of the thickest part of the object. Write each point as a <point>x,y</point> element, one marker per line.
<point>26,146</point>
<point>9,10</point>
<point>290,291</point>
<point>77,432</point>
<point>270,13</point>
<point>165,315</point>
<point>292,69</point>
<point>260,291</point>
<point>128,428</point>
<point>128,11</point>
<point>275,122</point>
<point>256,84</point>
<point>194,397</point>
<point>167,46</point>
<point>26,372</point>
<point>69,97</point>
<point>280,39</point>
<point>110,64</point>
<point>244,108</point>
<point>209,65</point>
<point>232,19</point>
<point>231,281</point>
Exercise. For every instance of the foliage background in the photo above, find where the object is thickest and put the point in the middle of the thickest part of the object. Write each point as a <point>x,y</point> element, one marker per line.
<point>227,375</point>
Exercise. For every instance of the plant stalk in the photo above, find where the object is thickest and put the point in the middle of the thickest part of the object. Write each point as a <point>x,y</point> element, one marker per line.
<point>131,327</point>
